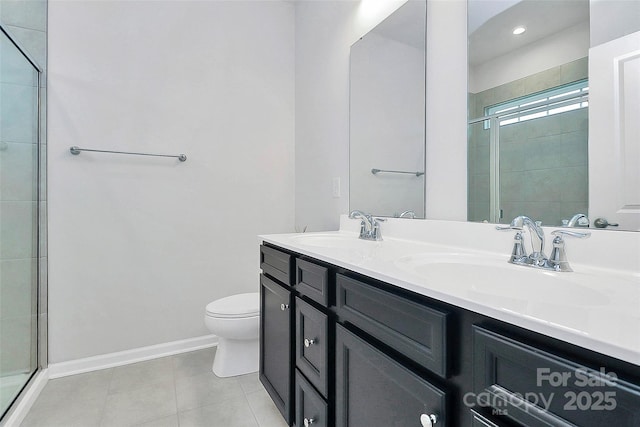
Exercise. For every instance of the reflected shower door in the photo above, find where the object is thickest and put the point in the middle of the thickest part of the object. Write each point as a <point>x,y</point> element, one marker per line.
<point>543,167</point>
<point>18,221</point>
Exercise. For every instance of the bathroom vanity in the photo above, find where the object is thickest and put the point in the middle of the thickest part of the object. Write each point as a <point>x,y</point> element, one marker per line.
<point>407,333</point>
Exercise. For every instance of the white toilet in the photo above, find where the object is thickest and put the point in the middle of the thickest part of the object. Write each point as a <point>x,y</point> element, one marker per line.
<point>236,322</point>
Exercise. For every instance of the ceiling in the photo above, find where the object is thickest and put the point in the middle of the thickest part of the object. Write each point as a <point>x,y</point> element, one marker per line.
<point>405,25</point>
<point>491,23</point>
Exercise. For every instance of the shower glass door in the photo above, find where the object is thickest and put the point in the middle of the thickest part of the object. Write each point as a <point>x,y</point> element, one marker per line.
<point>528,156</point>
<point>18,220</point>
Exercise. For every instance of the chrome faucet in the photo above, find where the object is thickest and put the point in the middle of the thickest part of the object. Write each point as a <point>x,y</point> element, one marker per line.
<point>537,236</point>
<point>369,226</point>
<point>407,214</point>
<point>578,220</point>
<point>558,259</point>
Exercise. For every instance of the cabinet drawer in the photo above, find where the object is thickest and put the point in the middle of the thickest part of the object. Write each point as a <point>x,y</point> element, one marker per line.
<point>372,389</point>
<point>277,264</point>
<point>478,420</point>
<point>311,408</point>
<point>312,281</point>
<point>410,328</point>
<point>536,388</point>
<point>312,345</point>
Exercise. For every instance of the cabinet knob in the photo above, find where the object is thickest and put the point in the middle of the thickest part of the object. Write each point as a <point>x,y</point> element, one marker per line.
<point>307,422</point>
<point>309,342</point>
<point>428,420</point>
<point>283,307</point>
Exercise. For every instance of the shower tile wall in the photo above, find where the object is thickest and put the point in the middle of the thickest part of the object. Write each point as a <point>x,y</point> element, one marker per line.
<point>19,199</point>
<point>543,162</point>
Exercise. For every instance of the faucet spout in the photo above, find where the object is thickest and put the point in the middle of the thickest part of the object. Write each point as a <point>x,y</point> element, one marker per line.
<point>579,220</point>
<point>537,235</point>
<point>366,219</point>
<point>408,214</point>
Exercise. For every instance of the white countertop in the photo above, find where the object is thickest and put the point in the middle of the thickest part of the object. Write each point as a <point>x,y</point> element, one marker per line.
<point>594,308</point>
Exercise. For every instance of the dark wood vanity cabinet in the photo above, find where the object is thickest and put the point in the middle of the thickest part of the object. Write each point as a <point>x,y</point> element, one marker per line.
<point>535,388</point>
<point>276,333</point>
<point>374,389</point>
<point>275,343</point>
<point>351,351</point>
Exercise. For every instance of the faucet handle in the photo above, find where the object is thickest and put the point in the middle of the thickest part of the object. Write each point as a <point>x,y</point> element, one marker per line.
<point>577,234</point>
<point>558,259</point>
<point>507,228</point>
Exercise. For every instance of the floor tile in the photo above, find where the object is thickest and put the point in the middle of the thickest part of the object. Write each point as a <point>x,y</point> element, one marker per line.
<point>264,409</point>
<point>230,413</point>
<point>173,391</point>
<point>250,382</point>
<point>170,421</point>
<point>129,408</point>
<point>193,363</point>
<point>77,400</point>
<point>141,374</point>
<point>202,390</point>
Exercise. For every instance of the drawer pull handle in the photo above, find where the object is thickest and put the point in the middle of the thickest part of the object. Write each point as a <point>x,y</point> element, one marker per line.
<point>309,342</point>
<point>428,420</point>
<point>308,421</point>
<point>283,307</point>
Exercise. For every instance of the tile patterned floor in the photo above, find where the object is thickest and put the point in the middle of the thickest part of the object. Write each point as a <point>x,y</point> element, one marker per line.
<point>172,391</point>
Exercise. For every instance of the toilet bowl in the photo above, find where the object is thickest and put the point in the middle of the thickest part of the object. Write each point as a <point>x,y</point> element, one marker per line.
<point>236,322</point>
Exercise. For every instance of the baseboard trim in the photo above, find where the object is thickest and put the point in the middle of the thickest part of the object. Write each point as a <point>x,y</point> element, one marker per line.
<point>109,360</point>
<point>27,399</point>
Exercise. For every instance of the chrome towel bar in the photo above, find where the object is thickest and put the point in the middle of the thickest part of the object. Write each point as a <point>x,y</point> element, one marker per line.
<point>76,150</point>
<point>377,171</point>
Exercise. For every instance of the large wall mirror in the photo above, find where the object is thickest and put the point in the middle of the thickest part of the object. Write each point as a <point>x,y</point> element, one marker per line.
<point>528,130</point>
<point>387,115</point>
<point>528,110</point>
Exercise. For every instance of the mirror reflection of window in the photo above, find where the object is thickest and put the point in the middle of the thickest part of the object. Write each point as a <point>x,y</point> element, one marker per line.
<point>528,110</point>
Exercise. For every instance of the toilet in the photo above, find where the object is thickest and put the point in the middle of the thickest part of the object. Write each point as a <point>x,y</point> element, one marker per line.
<point>236,321</point>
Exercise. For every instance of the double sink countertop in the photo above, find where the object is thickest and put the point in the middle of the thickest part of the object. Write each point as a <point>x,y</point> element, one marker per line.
<point>595,308</point>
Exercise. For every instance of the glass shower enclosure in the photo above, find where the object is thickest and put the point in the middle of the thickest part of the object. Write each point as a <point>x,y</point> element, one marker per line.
<point>19,219</point>
<point>529,155</point>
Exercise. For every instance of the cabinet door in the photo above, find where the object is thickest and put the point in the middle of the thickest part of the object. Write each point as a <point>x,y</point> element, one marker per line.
<point>373,390</point>
<point>311,408</point>
<point>275,343</point>
<point>312,347</point>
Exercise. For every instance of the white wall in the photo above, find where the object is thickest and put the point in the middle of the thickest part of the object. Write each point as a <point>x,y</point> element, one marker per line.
<point>139,246</point>
<point>446,171</point>
<point>611,19</point>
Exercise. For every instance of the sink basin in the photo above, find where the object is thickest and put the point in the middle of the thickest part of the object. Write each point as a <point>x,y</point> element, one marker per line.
<point>492,280</point>
<point>338,240</point>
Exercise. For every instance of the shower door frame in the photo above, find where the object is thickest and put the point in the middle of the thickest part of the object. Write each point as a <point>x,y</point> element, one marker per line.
<point>41,357</point>
<point>495,212</point>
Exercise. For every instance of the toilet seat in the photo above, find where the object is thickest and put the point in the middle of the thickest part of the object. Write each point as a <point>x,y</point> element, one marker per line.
<point>235,306</point>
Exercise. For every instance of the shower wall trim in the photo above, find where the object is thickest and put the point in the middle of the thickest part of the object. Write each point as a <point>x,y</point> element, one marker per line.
<point>27,398</point>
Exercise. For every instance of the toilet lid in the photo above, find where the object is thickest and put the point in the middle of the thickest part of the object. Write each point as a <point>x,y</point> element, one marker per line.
<point>240,305</point>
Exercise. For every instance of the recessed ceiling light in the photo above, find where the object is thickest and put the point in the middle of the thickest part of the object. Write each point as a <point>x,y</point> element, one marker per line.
<point>519,30</point>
